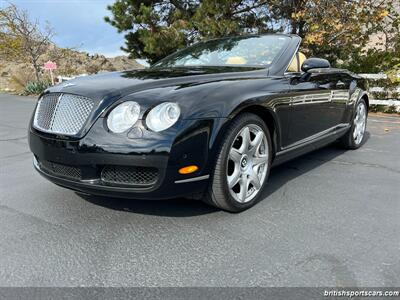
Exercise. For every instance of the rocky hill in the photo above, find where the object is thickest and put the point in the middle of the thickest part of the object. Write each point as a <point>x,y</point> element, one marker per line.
<point>14,74</point>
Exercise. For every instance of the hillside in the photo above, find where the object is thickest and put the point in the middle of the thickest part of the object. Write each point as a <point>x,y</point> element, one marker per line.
<point>15,74</point>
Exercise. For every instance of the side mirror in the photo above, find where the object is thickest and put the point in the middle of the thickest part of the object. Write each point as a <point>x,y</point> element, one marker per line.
<point>315,63</point>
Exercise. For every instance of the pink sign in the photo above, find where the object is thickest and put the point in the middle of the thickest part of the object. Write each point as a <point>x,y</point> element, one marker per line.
<point>50,66</point>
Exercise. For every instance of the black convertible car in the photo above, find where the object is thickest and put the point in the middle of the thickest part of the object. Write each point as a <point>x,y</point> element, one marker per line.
<point>207,122</point>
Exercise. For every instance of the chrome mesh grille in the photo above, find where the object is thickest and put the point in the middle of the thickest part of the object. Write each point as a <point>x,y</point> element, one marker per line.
<point>62,113</point>
<point>67,171</point>
<point>60,170</point>
<point>129,175</point>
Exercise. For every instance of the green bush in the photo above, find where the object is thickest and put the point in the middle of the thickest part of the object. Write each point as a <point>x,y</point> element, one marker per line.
<point>36,87</point>
<point>379,95</point>
<point>388,109</point>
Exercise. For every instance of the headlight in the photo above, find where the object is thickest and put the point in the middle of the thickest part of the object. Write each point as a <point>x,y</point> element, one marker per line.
<point>123,117</point>
<point>163,116</point>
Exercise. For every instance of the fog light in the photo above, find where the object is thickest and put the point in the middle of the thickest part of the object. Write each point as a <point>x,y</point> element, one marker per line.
<point>188,169</point>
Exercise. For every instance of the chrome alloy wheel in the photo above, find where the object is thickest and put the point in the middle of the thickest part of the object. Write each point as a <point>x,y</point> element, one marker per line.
<point>247,163</point>
<point>360,123</point>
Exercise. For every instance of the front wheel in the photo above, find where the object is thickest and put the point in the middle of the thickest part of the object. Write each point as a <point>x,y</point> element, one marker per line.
<point>355,137</point>
<point>242,165</point>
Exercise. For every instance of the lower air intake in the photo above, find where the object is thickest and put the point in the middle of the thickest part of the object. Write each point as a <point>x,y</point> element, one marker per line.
<point>61,170</point>
<point>129,175</point>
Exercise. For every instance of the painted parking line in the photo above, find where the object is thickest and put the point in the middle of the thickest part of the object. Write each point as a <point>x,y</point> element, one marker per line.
<point>383,116</point>
<point>383,121</point>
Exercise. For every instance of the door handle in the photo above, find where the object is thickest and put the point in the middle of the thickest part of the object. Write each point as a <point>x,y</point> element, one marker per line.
<point>340,85</point>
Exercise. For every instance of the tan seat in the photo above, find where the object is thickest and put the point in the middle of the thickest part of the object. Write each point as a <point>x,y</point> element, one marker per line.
<point>235,60</point>
<point>297,62</point>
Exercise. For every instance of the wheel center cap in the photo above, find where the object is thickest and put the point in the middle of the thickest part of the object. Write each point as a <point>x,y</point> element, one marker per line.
<point>243,163</point>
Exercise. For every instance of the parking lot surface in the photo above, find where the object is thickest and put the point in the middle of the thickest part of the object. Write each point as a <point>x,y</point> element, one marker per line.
<point>329,218</point>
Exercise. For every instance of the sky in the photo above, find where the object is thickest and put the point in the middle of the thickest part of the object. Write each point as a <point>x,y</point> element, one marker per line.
<point>77,23</point>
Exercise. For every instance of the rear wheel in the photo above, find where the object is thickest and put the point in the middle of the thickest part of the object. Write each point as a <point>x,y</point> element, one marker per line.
<point>242,166</point>
<point>355,137</point>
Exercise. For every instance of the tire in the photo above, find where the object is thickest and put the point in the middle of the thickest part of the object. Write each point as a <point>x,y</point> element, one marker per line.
<point>353,140</point>
<point>253,164</point>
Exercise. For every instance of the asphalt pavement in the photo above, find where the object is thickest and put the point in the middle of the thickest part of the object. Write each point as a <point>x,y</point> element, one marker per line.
<point>329,218</point>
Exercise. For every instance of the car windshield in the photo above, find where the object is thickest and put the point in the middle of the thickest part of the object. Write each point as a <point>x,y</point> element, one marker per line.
<point>255,51</point>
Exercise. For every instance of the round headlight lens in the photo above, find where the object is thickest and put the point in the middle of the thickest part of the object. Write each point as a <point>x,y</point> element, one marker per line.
<point>163,116</point>
<point>123,117</point>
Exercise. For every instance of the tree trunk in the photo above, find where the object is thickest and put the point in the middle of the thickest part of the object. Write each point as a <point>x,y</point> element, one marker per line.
<point>294,28</point>
<point>301,29</point>
<point>36,68</point>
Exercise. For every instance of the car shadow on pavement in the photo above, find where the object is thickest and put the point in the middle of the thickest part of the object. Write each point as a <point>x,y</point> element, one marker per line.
<point>284,173</point>
<point>168,208</point>
<point>279,176</point>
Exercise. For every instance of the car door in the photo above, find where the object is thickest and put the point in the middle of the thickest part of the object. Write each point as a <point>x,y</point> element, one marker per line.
<point>316,106</point>
<point>340,94</point>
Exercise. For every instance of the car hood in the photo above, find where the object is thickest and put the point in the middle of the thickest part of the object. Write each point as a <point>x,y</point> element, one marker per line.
<point>119,84</point>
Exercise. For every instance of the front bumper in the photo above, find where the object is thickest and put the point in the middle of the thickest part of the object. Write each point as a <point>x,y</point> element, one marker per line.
<point>185,144</point>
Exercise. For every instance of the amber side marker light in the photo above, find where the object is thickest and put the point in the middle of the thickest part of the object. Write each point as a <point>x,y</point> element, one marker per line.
<point>188,169</point>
